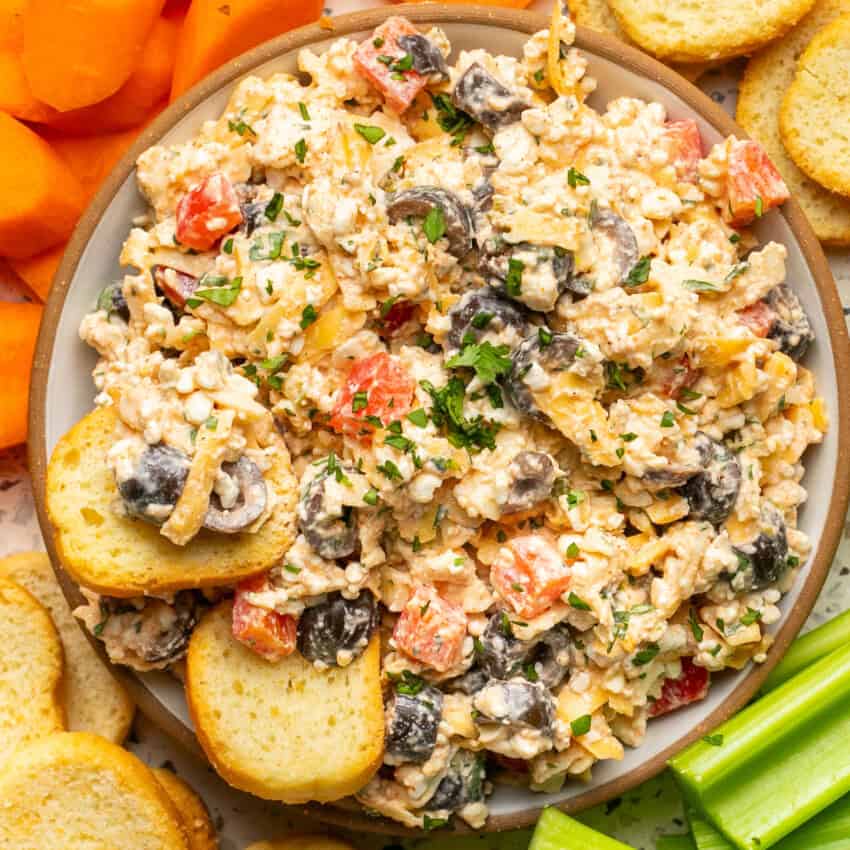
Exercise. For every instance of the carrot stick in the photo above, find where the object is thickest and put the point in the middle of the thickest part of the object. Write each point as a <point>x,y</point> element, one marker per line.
<point>132,105</point>
<point>81,52</point>
<point>215,32</point>
<point>15,95</point>
<point>37,272</point>
<point>504,4</point>
<point>40,199</point>
<point>20,327</point>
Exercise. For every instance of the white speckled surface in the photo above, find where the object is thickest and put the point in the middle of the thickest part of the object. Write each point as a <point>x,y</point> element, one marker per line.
<point>637,818</point>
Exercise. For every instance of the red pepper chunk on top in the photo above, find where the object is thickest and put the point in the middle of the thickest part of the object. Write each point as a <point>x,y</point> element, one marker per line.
<point>691,686</point>
<point>530,574</point>
<point>431,630</point>
<point>208,211</point>
<point>271,635</point>
<point>685,147</point>
<point>377,388</point>
<point>753,184</point>
<point>377,59</point>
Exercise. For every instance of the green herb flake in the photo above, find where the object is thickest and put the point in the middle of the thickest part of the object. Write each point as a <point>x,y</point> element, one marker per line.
<point>668,420</point>
<point>576,178</point>
<point>370,132</point>
<point>489,362</point>
<point>418,417</point>
<point>302,108</point>
<point>513,280</point>
<point>308,316</point>
<point>581,725</point>
<point>645,655</point>
<point>573,550</point>
<point>434,224</point>
<point>699,285</point>
<point>274,206</point>
<point>300,150</point>
<point>577,602</point>
<point>714,740</point>
<point>639,273</point>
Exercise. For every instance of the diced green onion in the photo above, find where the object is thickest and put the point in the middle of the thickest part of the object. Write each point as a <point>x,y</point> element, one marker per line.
<point>784,759</point>
<point>809,648</point>
<point>556,831</point>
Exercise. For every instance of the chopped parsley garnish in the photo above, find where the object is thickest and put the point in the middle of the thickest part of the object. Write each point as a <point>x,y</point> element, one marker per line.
<point>573,550</point>
<point>645,655</point>
<point>485,149</point>
<point>434,224</point>
<point>699,285</point>
<point>274,206</point>
<point>370,132</point>
<point>291,568</point>
<point>513,280</point>
<point>481,320</point>
<point>409,684</point>
<point>752,616</point>
<point>581,725</point>
<point>227,247</point>
<point>403,64</point>
<point>576,178</point>
<point>302,108</point>
<point>737,270</point>
<point>267,247</point>
<point>418,417</point>
<point>451,120</point>
<point>218,290</point>
<point>300,150</point>
<point>308,316</point>
<point>714,740</point>
<point>544,336</point>
<point>303,264</point>
<point>759,207</point>
<point>397,441</point>
<point>575,497</point>
<point>577,602</point>
<point>429,823</point>
<point>390,470</point>
<point>489,362</point>
<point>371,497</point>
<point>639,273</point>
<point>696,628</point>
<point>668,420</point>
<point>273,364</point>
<point>360,401</point>
<point>240,127</point>
<point>447,412</point>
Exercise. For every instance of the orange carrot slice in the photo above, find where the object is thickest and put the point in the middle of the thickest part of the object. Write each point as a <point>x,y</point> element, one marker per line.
<point>504,4</point>
<point>15,95</point>
<point>81,52</point>
<point>215,32</point>
<point>40,199</point>
<point>38,272</point>
<point>12,24</point>
<point>20,327</point>
<point>133,103</point>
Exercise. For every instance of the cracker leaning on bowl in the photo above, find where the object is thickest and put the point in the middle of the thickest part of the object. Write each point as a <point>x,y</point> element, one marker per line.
<point>768,76</point>
<point>194,814</point>
<point>814,119</point>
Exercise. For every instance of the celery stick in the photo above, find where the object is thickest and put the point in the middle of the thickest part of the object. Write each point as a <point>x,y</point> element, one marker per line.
<point>830,830</point>
<point>809,648</point>
<point>556,831</point>
<point>780,761</point>
<point>674,842</point>
<point>706,837</point>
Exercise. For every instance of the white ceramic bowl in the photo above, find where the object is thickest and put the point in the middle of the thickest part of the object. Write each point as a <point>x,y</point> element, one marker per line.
<point>63,390</point>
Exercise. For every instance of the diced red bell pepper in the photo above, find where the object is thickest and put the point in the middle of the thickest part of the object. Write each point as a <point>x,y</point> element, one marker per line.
<point>176,286</point>
<point>753,184</point>
<point>431,630</point>
<point>208,211</point>
<point>399,314</point>
<point>531,575</point>
<point>377,59</point>
<point>377,386</point>
<point>269,634</point>
<point>685,146</point>
<point>691,686</point>
<point>758,317</point>
<point>680,376</point>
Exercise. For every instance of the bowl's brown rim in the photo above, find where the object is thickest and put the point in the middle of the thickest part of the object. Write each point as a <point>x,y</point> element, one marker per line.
<point>605,47</point>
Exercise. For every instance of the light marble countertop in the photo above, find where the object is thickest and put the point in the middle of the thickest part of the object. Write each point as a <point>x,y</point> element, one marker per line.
<point>636,818</point>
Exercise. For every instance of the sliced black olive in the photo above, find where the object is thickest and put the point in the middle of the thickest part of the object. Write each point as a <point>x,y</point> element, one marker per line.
<point>175,285</point>
<point>482,196</point>
<point>337,625</point>
<point>516,703</point>
<point>712,492</point>
<point>462,784</point>
<point>331,536</point>
<point>412,722</point>
<point>158,478</point>
<point>763,560</point>
<point>500,654</point>
<point>553,356</point>
<point>158,632</point>
<point>427,58</point>
<point>550,659</point>
<point>112,300</point>
<point>494,263</point>
<point>616,240</point>
<point>482,96</point>
<point>253,216</point>
<point>791,327</point>
<point>485,313</point>
<point>418,202</point>
<point>250,503</point>
<point>670,476</point>
<point>532,476</point>
<point>469,683</point>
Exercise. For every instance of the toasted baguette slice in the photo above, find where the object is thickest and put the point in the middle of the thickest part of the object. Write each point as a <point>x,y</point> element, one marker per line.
<point>701,30</point>
<point>123,557</point>
<point>75,790</point>
<point>814,121</point>
<point>94,699</point>
<point>302,842</point>
<point>30,671</point>
<point>200,832</point>
<point>285,730</point>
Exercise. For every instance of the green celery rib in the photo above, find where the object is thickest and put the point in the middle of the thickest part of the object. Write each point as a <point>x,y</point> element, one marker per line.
<point>706,837</point>
<point>809,648</point>
<point>674,842</point>
<point>830,830</point>
<point>783,759</point>
<point>556,831</point>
